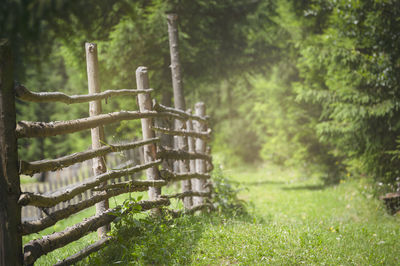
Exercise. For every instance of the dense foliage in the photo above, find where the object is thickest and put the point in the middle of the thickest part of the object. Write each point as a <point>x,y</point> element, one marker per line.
<point>352,71</point>
<point>312,83</point>
<point>332,100</point>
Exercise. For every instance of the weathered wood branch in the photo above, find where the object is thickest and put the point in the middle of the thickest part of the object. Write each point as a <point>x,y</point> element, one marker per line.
<point>189,193</point>
<point>84,252</point>
<point>30,168</point>
<point>27,129</point>
<point>169,110</point>
<point>186,133</point>
<point>134,183</point>
<point>51,199</point>
<point>97,134</point>
<point>182,155</point>
<point>198,208</point>
<point>42,97</point>
<point>30,227</point>
<point>38,247</point>
<point>179,213</point>
<point>200,147</point>
<point>170,176</point>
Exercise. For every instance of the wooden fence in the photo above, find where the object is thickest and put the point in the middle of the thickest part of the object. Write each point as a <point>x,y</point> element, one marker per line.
<point>58,203</point>
<point>73,174</point>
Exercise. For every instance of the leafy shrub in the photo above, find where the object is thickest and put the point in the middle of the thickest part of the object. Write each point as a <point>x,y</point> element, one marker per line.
<point>225,195</point>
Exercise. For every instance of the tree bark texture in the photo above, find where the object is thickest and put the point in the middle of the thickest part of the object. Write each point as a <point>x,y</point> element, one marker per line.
<point>97,133</point>
<point>47,97</point>
<point>177,83</point>
<point>10,211</point>
<point>145,104</point>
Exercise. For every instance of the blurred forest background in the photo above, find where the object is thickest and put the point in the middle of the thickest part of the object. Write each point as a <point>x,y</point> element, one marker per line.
<point>310,83</point>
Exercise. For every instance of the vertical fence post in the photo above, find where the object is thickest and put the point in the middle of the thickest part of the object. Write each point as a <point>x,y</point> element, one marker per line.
<point>145,104</point>
<point>10,211</point>
<point>200,110</point>
<point>165,141</point>
<point>191,142</point>
<point>97,133</point>
<point>179,98</point>
<point>192,148</point>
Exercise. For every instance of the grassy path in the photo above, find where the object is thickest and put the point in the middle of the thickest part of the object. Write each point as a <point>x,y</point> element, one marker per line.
<point>292,220</point>
<point>299,221</point>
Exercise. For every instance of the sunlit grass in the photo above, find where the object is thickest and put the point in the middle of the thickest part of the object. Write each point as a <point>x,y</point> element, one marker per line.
<point>297,220</point>
<point>293,219</point>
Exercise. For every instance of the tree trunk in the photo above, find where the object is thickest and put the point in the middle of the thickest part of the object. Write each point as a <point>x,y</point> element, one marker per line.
<point>10,211</point>
<point>179,98</point>
<point>177,83</point>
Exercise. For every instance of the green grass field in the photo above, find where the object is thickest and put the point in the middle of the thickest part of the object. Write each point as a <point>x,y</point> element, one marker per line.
<point>292,219</point>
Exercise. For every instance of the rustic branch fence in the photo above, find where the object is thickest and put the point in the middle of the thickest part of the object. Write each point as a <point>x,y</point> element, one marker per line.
<point>72,174</point>
<point>56,203</point>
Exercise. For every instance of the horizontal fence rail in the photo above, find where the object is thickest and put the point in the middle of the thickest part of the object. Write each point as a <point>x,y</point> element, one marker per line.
<point>188,193</point>
<point>185,116</point>
<point>171,176</point>
<point>42,97</point>
<point>134,184</point>
<point>30,168</point>
<point>186,133</point>
<point>85,252</point>
<point>182,155</point>
<point>28,129</point>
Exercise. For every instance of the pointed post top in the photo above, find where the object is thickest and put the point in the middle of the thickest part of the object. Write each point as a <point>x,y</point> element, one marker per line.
<point>90,47</point>
<point>172,16</point>
<point>141,70</point>
<point>142,78</point>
